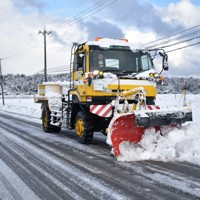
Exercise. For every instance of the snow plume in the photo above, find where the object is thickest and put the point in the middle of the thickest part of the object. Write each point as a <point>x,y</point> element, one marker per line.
<point>175,144</point>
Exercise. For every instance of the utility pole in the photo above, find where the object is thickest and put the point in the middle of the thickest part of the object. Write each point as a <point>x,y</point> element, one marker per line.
<point>1,77</point>
<point>44,33</point>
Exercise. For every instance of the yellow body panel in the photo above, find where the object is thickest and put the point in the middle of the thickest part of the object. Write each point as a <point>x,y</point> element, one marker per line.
<point>87,58</point>
<point>41,90</point>
<point>78,75</point>
<point>84,91</point>
<point>150,90</point>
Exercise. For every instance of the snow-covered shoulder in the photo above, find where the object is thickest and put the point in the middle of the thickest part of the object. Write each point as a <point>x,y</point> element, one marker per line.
<point>23,106</point>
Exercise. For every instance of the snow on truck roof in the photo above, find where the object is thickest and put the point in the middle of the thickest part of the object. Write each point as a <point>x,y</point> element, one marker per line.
<point>107,42</point>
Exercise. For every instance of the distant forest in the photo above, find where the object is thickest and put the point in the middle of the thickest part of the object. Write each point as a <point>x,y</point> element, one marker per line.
<point>23,84</point>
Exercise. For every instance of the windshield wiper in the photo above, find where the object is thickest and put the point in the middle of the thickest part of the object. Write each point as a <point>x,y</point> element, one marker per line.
<point>117,72</point>
<point>111,70</point>
<point>128,72</point>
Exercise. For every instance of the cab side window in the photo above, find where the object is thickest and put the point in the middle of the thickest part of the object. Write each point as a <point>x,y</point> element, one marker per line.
<point>79,61</point>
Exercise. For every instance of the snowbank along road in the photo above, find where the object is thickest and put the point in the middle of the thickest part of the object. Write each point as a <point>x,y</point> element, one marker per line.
<point>37,165</point>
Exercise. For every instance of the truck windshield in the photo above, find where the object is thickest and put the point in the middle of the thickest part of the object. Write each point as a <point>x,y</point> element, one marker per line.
<point>115,61</point>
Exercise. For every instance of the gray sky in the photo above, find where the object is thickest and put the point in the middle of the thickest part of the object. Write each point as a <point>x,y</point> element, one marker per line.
<point>140,21</point>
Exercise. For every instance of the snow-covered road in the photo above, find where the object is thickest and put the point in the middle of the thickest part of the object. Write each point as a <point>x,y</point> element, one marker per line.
<point>38,165</point>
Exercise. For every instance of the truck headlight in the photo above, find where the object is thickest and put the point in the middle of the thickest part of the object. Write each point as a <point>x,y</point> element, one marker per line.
<point>155,75</point>
<point>97,74</point>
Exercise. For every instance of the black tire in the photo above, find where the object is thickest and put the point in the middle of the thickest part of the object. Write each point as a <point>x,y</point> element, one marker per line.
<point>104,132</point>
<point>84,128</point>
<point>47,127</point>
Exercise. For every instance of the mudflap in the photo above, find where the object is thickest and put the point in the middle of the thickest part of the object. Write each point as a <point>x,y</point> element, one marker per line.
<point>123,128</point>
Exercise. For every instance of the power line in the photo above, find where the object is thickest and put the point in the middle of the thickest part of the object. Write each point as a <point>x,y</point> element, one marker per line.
<point>80,14</point>
<point>28,45</point>
<point>174,39</point>
<point>85,16</point>
<point>23,49</point>
<point>79,17</point>
<point>172,35</point>
<point>20,53</point>
<point>183,47</point>
<point>188,40</point>
<point>56,69</point>
<point>181,37</point>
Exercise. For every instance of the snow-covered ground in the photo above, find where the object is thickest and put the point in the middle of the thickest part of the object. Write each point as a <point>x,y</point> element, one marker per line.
<point>174,144</point>
<point>22,105</point>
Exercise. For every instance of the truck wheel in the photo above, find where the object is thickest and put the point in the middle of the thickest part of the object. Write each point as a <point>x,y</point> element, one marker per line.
<point>83,128</point>
<point>47,127</point>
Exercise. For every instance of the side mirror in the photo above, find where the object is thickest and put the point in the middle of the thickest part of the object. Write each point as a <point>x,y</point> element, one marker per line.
<point>161,54</point>
<point>80,61</point>
<point>165,65</point>
<point>164,61</point>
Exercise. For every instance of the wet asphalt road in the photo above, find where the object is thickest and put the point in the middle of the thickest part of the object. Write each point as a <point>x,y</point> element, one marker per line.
<point>37,165</point>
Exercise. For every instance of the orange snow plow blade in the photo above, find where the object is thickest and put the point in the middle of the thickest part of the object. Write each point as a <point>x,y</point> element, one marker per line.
<point>125,129</point>
<point>131,126</point>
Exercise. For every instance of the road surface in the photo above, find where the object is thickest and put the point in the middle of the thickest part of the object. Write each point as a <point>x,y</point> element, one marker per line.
<point>37,165</point>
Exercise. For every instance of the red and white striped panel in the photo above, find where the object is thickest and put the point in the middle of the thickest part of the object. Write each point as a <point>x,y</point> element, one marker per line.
<point>152,107</point>
<point>101,110</point>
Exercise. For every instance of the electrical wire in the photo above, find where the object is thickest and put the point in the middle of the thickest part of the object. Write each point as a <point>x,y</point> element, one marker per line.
<point>83,15</point>
<point>63,68</point>
<point>20,53</point>
<point>80,18</point>
<point>183,47</point>
<point>29,45</point>
<point>177,43</point>
<point>187,37</point>
<point>172,35</point>
<point>174,39</point>
<point>80,14</point>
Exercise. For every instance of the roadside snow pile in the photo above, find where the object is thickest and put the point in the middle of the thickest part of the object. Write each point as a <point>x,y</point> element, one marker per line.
<point>176,144</point>
<point>23,106</point>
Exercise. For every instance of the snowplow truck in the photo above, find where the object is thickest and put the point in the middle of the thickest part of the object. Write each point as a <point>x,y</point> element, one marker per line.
<point>111,89</point>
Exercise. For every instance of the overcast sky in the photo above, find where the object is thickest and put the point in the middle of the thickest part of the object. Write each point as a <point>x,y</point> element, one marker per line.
<point>140,21</point>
